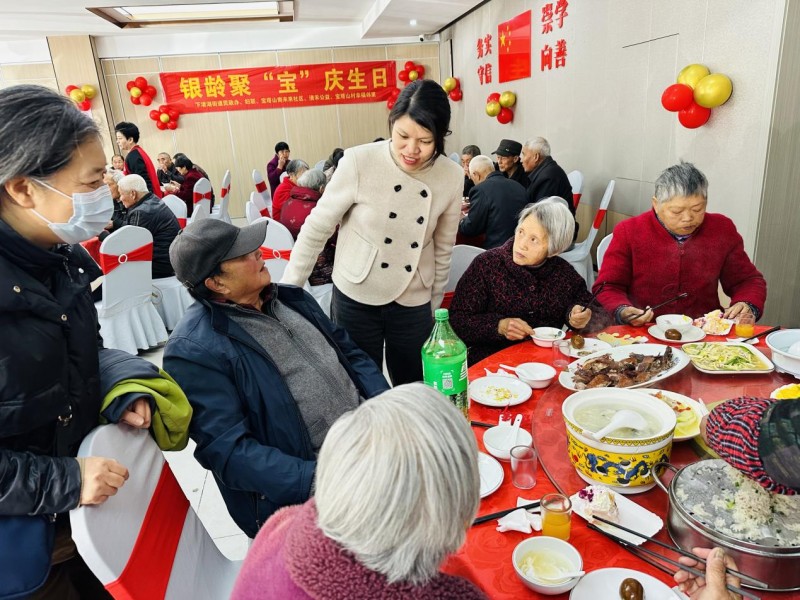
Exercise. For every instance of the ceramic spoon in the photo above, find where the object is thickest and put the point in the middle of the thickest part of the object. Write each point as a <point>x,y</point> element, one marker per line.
<point>622,418</point>
<point>511,439</point>
<point>564,575</point>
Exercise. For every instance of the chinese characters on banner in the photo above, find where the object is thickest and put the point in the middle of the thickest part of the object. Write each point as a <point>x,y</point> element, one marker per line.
<point>279,87</point>
<point>484,51</point>
<point>553,15</point>
<point>514,48</point>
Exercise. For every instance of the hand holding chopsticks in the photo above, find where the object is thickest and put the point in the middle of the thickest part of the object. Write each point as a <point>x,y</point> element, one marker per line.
<point>630,318</point>
<point>503,513</point>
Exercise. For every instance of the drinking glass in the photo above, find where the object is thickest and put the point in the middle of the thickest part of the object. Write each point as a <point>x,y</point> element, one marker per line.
<point>556,516</point>
<point>523,467</point>
<point>745,325</point>
<point>561,356</point>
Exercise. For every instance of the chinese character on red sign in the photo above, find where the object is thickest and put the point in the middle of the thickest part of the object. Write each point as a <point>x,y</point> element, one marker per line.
<point>561,53</point>
<point>487,44</point>
<point>547,57</point>
<point>480,47</point>
<point>561,12</point>
<point>547,18</point>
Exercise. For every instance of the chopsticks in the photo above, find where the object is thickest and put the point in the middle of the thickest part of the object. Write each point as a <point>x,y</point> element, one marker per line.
<point>758,335</point>
<point>664,303</point>
<point>503,513</point>
<point>594,296</point>
<point>740,575</point>
<point>479,424</point>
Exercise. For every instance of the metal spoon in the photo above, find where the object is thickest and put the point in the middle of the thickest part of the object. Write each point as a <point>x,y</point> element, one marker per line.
<point>622,418</point>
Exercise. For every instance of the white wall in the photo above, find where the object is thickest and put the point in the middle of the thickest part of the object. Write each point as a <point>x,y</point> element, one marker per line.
<point>602,113</point>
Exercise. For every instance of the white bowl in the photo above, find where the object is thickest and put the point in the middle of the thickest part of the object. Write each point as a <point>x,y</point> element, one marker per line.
<point>498,443</point>
<point>783,343</point>
<point>545,336</point>
<point>680,322</point>
<point>550,545</point>
<point>536,375</point>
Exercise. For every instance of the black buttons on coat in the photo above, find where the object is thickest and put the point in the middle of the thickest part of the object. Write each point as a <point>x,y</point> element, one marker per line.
<point>384,265</point>
<point>398,187</point>
<point>421,220</point>
<point>414,245</point>
<point>392,215</point>
<point>408,268</point>
<point>387,240</point>
<point>424,193</point>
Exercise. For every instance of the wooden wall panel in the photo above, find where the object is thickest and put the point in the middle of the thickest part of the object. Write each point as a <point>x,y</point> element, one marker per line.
<point>28,71</point>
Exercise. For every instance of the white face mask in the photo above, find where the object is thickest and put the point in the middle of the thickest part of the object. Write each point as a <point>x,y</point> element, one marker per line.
<point>91,212</point>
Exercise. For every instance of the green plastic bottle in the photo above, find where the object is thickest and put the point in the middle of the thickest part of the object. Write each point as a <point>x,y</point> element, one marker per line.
<point>444,362</point>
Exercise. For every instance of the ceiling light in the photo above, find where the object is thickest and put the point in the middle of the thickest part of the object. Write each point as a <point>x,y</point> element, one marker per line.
<point>170,14</point>
<point>413,22</point>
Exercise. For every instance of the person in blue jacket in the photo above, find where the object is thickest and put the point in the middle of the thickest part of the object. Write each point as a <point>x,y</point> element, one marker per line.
<point>266,372</point>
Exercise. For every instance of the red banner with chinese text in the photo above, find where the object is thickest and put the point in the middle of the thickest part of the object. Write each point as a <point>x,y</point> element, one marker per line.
<point>514,48</point>
<point>279,87</point>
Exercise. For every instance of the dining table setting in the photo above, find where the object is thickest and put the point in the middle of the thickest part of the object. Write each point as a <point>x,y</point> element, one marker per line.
<point>534,394</point>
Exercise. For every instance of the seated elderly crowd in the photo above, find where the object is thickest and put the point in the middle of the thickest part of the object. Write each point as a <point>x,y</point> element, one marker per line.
<point>316,457</point>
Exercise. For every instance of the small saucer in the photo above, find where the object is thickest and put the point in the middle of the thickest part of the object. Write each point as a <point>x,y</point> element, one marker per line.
<point>694,334</point>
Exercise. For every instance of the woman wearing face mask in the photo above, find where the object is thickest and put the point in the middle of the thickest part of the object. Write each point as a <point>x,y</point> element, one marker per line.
<point>52,196</point>
<point>399,203</point>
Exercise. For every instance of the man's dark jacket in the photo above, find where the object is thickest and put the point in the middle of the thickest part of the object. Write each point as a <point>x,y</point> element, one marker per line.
<point>495,204</point>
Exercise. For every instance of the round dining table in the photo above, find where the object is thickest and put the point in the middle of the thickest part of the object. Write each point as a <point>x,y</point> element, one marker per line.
<point>485,558</point>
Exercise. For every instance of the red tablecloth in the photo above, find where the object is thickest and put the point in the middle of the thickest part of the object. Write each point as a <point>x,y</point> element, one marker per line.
<point>485,559</point>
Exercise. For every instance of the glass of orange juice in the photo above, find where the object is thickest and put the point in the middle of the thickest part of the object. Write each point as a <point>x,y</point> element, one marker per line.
<point>745,325</point>
<point>556,516</point>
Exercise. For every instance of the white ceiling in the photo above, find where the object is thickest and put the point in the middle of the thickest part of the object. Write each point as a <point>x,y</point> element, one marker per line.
<point>33,19</point>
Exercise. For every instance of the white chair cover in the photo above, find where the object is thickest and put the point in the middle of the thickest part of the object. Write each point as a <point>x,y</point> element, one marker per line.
<point>178,208</point>
<point>107,535</point>
<point>461,259</point>
<point>220,211</point>
<point>576,182</point>
<point>251,211</point>
<point>601,249</point>
<point>200,212</point>
<point>128,319</point>
<point>278,236</point>
<point>580,256</point>
<point>202,196</point>
<point>265,196</point>
<point>171,300</point>
<point>320,166</point>
<point>322,294</point>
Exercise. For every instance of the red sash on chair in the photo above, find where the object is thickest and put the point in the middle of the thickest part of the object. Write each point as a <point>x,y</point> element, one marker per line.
<point>109,262</point>
<point>265,212</point>
<point>576,199</point>
<point>182,222</point>
<point>198,197</point>
<point>261,186</point>
<point>268,253</point>
<point>224,191</point>
<point>447,299</point>
<point>598,218</point>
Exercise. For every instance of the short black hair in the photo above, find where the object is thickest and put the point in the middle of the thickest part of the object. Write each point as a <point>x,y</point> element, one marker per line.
<point>200,291</point>
<point>426,102</point>
<point>281,146</point>
<point>472,150</point>
<point>183,161</point>
<point>129,130</point>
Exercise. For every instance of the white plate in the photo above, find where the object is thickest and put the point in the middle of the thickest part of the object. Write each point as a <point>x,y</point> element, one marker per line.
<point>565,378</point>
<point>694,334</point>
<point>604,583</point>
<point>698,409</point>
<point>631,515</point>
<point>484,391</point>
<point>491,473</point>
<point>755,351</point>
<point>590,346</point>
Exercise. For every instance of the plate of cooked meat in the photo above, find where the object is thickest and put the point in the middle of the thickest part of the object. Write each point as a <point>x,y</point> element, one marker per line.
<point>634,366</point>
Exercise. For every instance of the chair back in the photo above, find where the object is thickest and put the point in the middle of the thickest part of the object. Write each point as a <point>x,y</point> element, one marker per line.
<point>601,214</point>
<point>601,249</point>
<point>178,208</point>
<point>201,195</point>
<point>576,181</point>
<point>200,212</point>
<point>278,239</point>
<point>461,259</point>
<point>126,258</point>
<point>265,196</point>
<point>320,166</point>
<point>221,211</point>
<point>250,211</point>
<point>146,541</point>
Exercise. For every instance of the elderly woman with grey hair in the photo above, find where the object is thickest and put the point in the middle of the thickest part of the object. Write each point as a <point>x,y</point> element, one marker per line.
<point>397,485</point>
<point>674,248</point>
<point>294,169</point>
<point>509,290</point>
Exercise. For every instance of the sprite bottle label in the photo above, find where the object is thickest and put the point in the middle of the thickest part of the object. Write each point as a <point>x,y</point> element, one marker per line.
<point>444,363</point>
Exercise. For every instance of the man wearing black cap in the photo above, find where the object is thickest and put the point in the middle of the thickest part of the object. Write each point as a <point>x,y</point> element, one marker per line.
<point>508,159</point>
<point>265,370</point>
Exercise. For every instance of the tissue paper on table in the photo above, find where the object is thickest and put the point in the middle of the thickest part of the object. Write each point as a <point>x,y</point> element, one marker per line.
<point>520,520</point>
<point>499,373</point>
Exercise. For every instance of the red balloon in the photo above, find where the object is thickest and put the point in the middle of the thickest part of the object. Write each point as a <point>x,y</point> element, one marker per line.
<point>505,115</point>
<point>420,70</point>
<point>69,88</point>
<point>161,126</point>
<point>390,103</point>
<point>403,75</point>
<point>163,108</point>
<point>172,125</point>
<point>85,105</point>
<point>130,84</point>
<point>409,65</point>
<point>495,97</point>
<point>141,82</point>
<point>154,114</point>
<point>458,84</point>
<point>151,91</point>
<point>136,99</point>
<point>456,95</point>
<point>677,97</point>
<point>395,92</point>
<point>173,114</point>
<point>695,116</point>
<point>146,99</point>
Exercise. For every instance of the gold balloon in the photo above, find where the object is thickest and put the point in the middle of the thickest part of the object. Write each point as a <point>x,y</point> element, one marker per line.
<point>136,92</point>
<point>508,99</point>
<point>164,118</point>
<point>691,74</point>
<point>713,90</point>
<point>413,75</point>
<point>450,84</point>
<point>493,108</point>
<point>88,91</point>
<point>77,95</point>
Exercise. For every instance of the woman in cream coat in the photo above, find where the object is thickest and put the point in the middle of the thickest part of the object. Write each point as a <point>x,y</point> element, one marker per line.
<point>399,203</point>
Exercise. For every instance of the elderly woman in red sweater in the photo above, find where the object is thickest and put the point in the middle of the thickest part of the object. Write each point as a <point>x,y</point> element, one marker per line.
<point>509,290</point>
<point>677,247</point>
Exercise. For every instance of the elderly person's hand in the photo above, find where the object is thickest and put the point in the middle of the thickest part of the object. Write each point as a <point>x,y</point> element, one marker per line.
<point>737,310</point>
<point>514,329</point>
<point>632,315</point>
<point>138,414</point>
<point>712,586</point>
<point>101,478</point>
<point>579,316</point>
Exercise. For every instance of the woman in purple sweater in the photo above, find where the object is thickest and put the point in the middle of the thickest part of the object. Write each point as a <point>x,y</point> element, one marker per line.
<point>397,486</point>
<point>507,291</point>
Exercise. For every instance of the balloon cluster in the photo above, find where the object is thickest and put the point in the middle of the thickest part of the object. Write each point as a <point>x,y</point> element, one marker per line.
<point>165,117</point>
<point>453,88</point>
<point>411,72</point>
<point>82,96</point>
<point>393,98</point>
<point>695,94</point>
<point>499,106</point>
<point>141,92</point>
